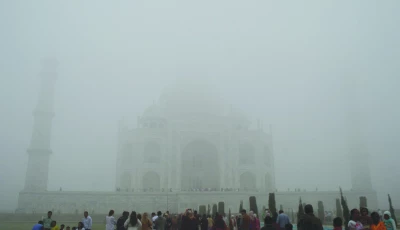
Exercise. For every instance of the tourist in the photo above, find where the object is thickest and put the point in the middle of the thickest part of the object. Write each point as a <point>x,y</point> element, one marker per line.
<point>62,227</point>
<point>197,217</point>
<point>204,223</point>
<point>87,221</point>
<point>139,216</point>
<point>68,228</point>
<point>54,225</point>
<point>132,223</point>
<point>239,221</point>
<point>47,221</point>
<point>210,222</point>
<point>257,222</point>
<point>252,221</point>
<point>233,222</point>
<point>309,221</point>
<point>168,221</point>
<point>147,224</point>
<point>189,222</point>
<point>80,226</point>
<point>38,226</point>
<point>365,220</point>
<point>160,221</point>
<point>121,220</point>
<point>282,220</point>
<point>288,227</point>
<point>389,222</point>
<point>110,220</point>
<point>377,224</point>
<point>355,215</point>
<point>268,222</point>
<point>245,223</point>
<point>153,218</point>
<point>337,223</point>
<point>219,223</point>
<point>179,222</point>
<point>225,219</point>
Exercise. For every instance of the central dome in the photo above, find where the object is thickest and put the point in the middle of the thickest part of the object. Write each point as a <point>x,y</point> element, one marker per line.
<point>191,98</point>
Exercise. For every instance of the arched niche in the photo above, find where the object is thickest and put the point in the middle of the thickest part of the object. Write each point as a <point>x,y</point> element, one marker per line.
<point>247,181</point>
<point>151,181</point>
<point>200,167</point>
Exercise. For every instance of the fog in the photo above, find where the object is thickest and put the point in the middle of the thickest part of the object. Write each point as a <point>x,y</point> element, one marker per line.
<point>293,65</point>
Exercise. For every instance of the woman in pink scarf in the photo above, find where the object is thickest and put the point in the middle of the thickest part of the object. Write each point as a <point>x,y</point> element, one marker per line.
<point>257,222</point>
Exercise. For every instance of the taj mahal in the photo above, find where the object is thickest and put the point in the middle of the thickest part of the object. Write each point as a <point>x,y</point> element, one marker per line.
<point>187,149</point>
<point>187,142</point>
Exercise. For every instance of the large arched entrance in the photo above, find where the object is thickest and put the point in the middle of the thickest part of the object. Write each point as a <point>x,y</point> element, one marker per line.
<point>200,169</point>
<point>247,181</point>
<point>151,181</point>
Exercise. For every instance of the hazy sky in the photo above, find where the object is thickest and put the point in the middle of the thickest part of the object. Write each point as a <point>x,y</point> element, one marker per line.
<point>284,62</point>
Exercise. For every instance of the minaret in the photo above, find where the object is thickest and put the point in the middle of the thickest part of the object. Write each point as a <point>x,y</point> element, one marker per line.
<point>39,150</point>
<point>358,153</point>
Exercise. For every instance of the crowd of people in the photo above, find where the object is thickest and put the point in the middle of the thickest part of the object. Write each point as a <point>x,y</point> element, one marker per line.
<point>48,223</point>
<point>361,219</point>
<point>191,220</point>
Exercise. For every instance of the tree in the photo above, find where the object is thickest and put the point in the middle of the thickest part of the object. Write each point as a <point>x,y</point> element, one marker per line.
<point>221,208</point>
<point>300,212</point>
<point>241,206</point>
<point>391,209</point>
<point>339,212</point>
<point>230,222</point>
<point>346,211</point>
<point>272,204</point>
<point>208,209</point>
<point>321,211</point>
<point>202,209</point>
<point>214,209</point>
<point>363,202</point>
<point>253,204</point>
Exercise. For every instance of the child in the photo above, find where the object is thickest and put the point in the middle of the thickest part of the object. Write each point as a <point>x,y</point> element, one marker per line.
<point>337,223</point>
<point>389,222</point>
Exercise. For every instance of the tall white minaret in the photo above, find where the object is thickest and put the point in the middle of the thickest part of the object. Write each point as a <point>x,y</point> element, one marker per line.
<point>358,152</point>
<point>39,150</point>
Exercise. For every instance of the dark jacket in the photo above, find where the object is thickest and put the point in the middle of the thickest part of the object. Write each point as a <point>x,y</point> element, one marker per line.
<point>189,223</point>
<point>309,222</point>
<point>121,222</point>
<point>204,224</point>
